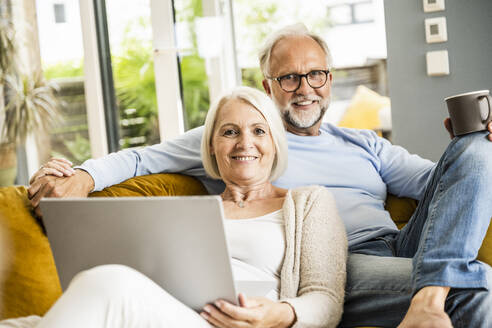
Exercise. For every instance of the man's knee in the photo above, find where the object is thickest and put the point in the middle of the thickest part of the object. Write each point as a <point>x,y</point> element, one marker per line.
<point>470,157</point>
<point>473,147</point>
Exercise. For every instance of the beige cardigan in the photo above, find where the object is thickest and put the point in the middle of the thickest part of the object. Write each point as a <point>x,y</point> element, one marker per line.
<point>312,278</point>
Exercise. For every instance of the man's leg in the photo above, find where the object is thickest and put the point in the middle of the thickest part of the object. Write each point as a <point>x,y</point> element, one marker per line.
<point>470,308</point>
<point>378,290</point>
<point>447,230</point>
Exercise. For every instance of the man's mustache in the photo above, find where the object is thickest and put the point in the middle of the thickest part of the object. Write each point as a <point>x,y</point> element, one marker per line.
<point>305,98</point>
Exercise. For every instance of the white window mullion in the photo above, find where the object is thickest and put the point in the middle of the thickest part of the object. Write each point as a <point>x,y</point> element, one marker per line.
<point>93,84</point>
<point>229,53</point>
<point>221,69</point>
<point>169,102</point>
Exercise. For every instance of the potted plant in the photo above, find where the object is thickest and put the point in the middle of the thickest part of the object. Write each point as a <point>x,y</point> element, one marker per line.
<point>27,103</point>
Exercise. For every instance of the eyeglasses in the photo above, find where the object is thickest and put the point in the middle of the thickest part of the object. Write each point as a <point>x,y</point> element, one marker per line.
<point>291,82</point>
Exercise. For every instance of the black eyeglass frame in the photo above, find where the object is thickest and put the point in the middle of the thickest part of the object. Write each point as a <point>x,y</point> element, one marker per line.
<point>278,79</point>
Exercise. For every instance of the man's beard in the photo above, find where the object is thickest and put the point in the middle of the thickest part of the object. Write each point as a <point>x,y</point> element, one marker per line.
<point>304,119</point>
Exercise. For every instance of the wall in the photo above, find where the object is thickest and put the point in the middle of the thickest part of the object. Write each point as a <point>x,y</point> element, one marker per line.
<point>417,100</point>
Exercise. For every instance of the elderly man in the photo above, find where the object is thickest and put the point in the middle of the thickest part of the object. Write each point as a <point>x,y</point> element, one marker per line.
<point>425,275</point>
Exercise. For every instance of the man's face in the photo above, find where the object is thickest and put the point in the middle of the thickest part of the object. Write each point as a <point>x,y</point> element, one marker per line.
<point>303,109</point>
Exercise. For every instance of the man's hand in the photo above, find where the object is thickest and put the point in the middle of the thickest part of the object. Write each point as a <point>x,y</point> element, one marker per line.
<point>56,166</point>
<point>427,309</point>
<point>80,184</point>
<point>449,127</point>
<point>253,312</point>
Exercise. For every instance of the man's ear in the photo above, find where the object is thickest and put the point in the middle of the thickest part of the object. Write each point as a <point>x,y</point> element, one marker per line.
<point>266,86</point>
<point>330,76</point>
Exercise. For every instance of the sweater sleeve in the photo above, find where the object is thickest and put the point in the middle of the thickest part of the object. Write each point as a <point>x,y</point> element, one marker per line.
<point>323,256</point>
<point>405,174</point>
<point>180,155</point>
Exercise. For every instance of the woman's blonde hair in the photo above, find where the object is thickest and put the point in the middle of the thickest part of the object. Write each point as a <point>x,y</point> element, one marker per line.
<point>266,107</point>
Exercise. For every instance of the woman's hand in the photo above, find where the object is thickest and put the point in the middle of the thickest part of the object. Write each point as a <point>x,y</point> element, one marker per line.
<point>56,166</point>
<point>253,312</point>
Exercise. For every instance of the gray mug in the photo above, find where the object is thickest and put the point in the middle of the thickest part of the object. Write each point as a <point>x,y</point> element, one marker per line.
<point>469,112</point>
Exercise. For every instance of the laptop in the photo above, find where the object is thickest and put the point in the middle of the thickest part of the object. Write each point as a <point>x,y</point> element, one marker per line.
<point>178,242</point>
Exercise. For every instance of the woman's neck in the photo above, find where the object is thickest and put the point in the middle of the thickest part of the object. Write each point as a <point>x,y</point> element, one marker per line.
<point>237,193</point>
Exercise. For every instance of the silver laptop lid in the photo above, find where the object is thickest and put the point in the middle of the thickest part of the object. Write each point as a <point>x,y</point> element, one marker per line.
<point>178,242</point>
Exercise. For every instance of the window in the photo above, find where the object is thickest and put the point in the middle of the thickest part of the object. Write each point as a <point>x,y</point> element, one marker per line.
<point>64,67</point>
<point>255,19</point>
<point>130,39</point>
<point>59,9</point>
<point>360,12</point>
<point>192,52</point>
<point>363,12</point>
<point>341,15</point>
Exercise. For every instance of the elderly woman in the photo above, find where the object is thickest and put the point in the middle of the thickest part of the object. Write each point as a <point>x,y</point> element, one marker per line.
<point>293,236</point>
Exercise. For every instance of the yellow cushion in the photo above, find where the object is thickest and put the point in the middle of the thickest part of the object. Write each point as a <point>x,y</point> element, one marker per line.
<point>401,209</point>
<point>363,111</point>
<point>485,252</point>
<point>30,284</point>
<point>155,185</point>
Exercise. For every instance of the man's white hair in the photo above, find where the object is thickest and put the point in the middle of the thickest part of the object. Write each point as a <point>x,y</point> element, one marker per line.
<point>266,107</point>
<point>298,29</point>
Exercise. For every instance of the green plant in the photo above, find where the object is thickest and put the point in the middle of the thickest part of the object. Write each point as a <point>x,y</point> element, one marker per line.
<point>79,149</point>
<point>195,90</point>
<point>252,77</point>
<point>135,84</point>
<point>194,80</point>
<point>64,69</point>
<point>31,105</point>
<point>28,103</point>
<point>8,58</point>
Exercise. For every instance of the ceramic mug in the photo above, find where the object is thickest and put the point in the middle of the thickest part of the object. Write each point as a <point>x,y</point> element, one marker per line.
<point>469,112</point>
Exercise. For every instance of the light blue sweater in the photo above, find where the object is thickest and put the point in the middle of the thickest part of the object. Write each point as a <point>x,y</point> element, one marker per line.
<point>357,166</point>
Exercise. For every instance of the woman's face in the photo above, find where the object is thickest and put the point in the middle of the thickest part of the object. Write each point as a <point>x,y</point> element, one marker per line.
<point>242,144</point>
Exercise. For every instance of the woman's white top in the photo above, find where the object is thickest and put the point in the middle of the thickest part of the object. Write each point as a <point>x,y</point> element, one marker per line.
<point>257,248</point>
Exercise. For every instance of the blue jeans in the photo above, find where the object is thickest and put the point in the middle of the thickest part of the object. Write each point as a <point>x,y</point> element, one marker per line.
<point>438,247</point>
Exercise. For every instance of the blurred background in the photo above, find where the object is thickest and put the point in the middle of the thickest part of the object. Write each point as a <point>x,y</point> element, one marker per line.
<point>83,78</point>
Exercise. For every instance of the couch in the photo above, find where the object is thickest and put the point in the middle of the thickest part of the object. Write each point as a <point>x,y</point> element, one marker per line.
<point>28,278</point>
